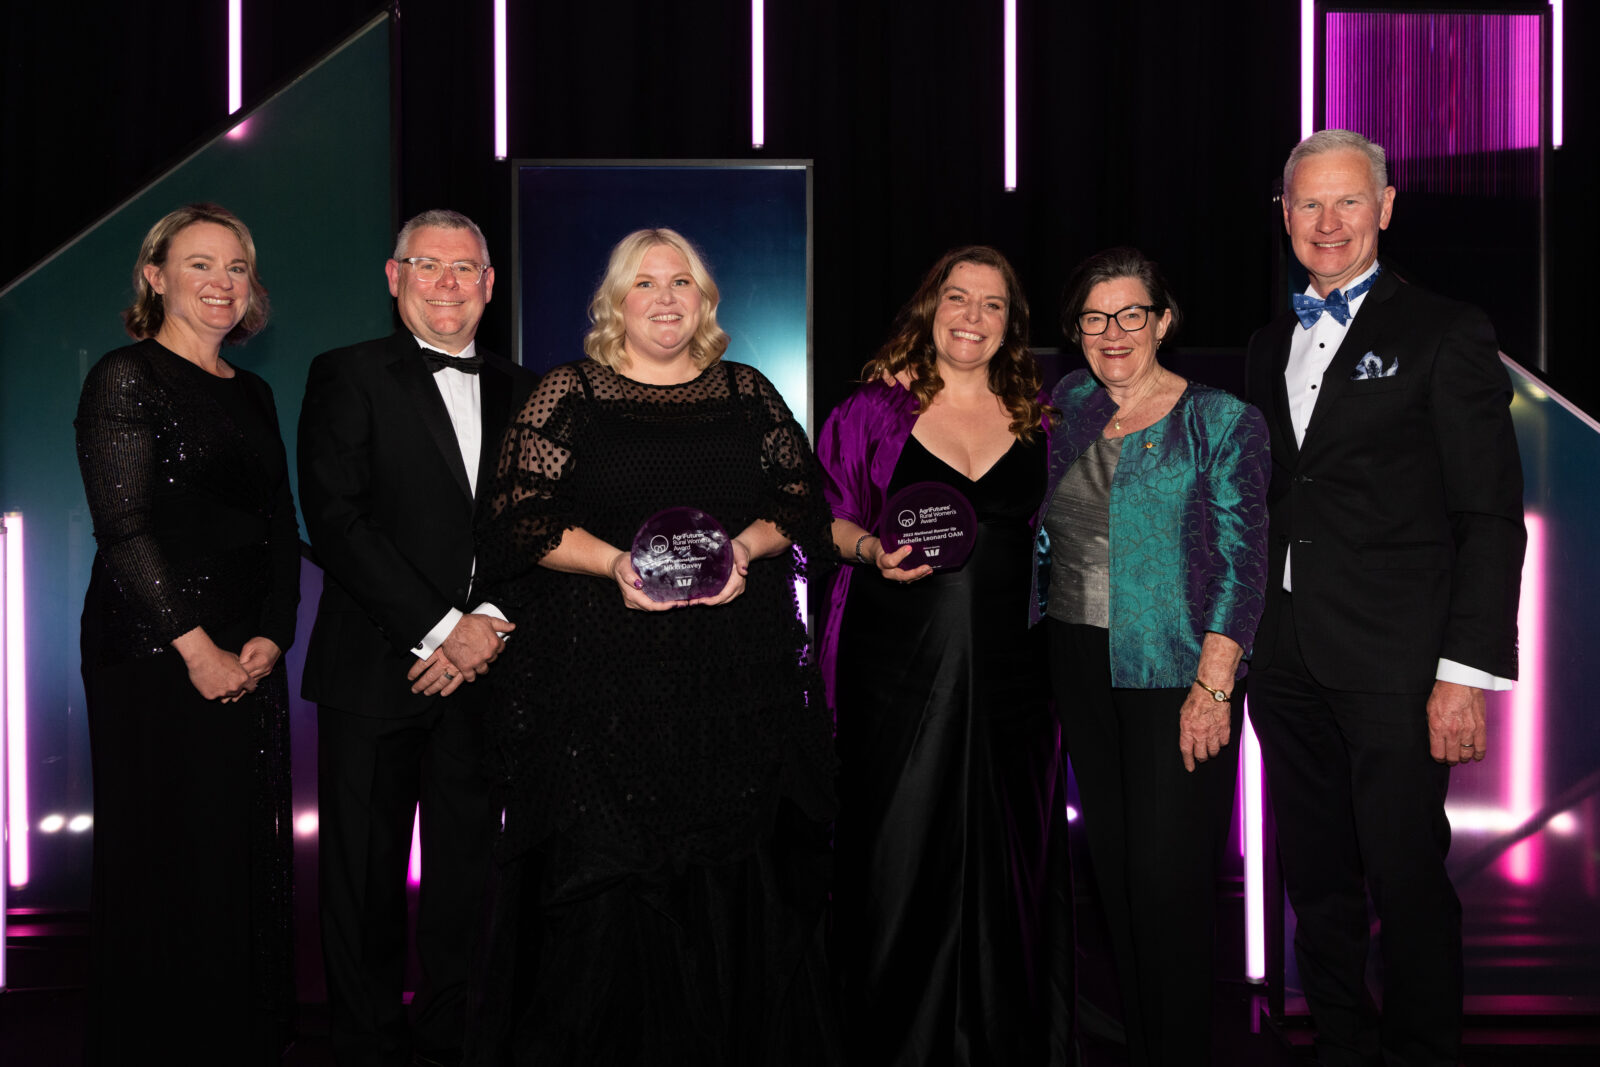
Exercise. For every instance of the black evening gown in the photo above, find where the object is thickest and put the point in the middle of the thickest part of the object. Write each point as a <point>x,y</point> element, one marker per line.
<point>667,777</point>
<point>190,906</point>
<point>952,906</point>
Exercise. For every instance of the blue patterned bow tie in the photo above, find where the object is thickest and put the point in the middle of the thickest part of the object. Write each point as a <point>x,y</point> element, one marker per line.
<point>1309,309</point>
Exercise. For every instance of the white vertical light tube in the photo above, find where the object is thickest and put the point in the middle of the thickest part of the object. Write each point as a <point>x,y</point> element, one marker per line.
<point>1011,95</point>
<point>758,73</point>
<point>1308,64</point>
<point>235,55</point>
<point>1255,896</point>
<point>1557,70</point>
<point>16,706</point>
<point>501,139</point>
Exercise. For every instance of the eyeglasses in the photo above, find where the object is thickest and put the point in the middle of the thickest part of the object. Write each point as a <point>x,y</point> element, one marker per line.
<point>431,270</point>
<point>1131,318</point>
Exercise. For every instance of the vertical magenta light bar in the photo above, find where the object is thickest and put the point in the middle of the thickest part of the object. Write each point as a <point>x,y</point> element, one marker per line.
<point>235,55</point>
<point>1255,896</point>
<point>236,65</point>
<point>1308,62</point>
<point>1526,748</point>
<point>414,867</point>
<point>758,73</point>
<point>1557,69</point>
<point>501,138</point>
<point>1011,94</point>
<point>16,679</point>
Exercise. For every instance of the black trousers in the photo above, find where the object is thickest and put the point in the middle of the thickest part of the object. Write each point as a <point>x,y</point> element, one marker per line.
<point>1360,808</point>
<point>1155,833</point>
<point>371,775</point>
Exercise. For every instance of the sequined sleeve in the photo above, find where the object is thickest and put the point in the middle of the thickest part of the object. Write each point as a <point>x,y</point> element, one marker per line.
<point>118,426</point>
<point>279,608</point>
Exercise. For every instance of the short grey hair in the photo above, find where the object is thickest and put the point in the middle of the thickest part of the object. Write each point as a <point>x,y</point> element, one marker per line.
<point>1334,141</point>
<point>443,219</point>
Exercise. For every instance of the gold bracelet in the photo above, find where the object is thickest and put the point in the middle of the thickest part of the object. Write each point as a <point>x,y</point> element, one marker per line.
<point>1221,696</point>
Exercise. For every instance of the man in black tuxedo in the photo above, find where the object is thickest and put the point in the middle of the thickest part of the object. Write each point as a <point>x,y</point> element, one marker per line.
<point>1395,564</point>
<point>398,439</point>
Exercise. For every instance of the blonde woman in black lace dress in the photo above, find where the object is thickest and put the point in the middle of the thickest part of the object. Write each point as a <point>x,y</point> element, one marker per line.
<point>666,768</point>
<point>191,603</point>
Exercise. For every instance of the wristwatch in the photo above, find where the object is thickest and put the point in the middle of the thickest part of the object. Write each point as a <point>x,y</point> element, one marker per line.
<point>1221,696</point>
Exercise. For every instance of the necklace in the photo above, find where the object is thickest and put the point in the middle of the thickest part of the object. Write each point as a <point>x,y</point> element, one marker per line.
<point>1128,409</point>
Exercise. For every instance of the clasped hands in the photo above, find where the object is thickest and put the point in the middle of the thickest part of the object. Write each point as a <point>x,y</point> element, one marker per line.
<point>632,586</point>
<point>218,674</point>
<point>466,653</point>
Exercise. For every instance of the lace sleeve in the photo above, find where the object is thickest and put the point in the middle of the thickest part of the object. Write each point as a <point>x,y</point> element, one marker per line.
<point>796,504</point>
<point>118,426</point>
<point>526,511</point>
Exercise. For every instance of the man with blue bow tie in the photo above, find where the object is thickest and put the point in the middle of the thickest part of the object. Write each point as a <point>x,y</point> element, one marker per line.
<point>1396,557</point>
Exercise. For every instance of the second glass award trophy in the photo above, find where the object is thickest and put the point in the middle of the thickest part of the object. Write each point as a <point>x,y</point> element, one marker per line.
<point>934,518</point>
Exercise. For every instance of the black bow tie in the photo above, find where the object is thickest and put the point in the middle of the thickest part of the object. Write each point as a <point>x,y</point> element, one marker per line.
<point>438,361</point>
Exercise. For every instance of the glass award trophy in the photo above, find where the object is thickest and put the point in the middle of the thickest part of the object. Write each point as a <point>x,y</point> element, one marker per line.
<point>681,554</point>
<point>937,520</point>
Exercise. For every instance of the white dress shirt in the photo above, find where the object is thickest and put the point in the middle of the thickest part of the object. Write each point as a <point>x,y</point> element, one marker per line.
<point>459,391</point>
<point>1310,352</point>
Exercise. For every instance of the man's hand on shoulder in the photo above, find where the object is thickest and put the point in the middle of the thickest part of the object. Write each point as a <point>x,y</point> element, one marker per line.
<point>475,642</point>
<point>1457,731</point>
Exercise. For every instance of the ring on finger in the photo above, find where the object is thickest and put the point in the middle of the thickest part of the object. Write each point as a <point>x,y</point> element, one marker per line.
<point>449,677</point>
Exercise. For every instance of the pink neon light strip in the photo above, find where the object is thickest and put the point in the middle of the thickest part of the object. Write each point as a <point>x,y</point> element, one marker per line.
<point>235,55</point>
<point>758,73</point>
<point>1255,896</point>
<point>1011,95</point>
<point>502,139</point>
<point>1557,69</point>
<point>414,868</point>
<point>16,676</point>
<point>1308,62</point>
<point>1524,793</point>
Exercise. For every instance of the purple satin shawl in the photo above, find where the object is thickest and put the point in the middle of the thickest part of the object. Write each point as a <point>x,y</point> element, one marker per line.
<point>859,446</point>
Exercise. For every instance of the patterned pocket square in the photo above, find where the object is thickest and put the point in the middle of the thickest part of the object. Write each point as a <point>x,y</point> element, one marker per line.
<point>1371,366</point>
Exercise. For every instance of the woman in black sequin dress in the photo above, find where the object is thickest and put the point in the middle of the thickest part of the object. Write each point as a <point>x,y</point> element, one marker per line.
<point>666,768</point>
<point>191,603</point>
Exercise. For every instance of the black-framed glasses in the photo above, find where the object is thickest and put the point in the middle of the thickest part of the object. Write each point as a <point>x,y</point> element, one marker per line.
<point>431,270</point>
<point>1131,318</point>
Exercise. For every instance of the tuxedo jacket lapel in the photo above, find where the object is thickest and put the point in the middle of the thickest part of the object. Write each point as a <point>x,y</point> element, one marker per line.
<point>1368,325</point>
<point>411,372</point>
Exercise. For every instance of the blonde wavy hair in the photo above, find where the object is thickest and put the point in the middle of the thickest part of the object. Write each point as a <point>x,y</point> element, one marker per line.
<point>605,339</point>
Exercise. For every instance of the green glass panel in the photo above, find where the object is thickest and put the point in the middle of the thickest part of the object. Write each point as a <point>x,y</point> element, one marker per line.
<point>309,173</point>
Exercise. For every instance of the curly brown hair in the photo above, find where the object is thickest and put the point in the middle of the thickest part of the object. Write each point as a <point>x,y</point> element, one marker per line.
<point>1013,372</point>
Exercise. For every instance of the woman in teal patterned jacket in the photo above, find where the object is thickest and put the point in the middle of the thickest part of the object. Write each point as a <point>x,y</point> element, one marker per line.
<point>1150,578</point>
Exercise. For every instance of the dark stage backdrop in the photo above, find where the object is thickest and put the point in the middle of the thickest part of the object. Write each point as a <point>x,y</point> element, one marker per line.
<point>1147,122</point>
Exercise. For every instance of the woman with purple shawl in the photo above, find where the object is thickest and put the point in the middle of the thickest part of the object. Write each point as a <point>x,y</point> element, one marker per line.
<point>953,936</point>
